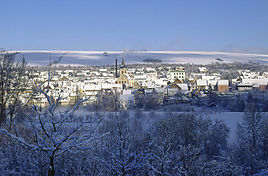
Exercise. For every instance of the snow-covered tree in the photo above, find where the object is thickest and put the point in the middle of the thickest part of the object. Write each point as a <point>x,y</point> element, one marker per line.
<point>120,154</point>
<point>12,83</point>
<point>252,141</point>
<point>55,132</point>
<point>216,141</point>
<point>222,165</point>
<point>162,160</point>
<point>17,159</point>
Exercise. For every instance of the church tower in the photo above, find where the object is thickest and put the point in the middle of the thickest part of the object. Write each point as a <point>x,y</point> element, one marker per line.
<point>123,69</point>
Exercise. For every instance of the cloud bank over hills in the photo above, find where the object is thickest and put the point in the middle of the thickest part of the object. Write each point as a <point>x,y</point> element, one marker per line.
<point>41,57</point>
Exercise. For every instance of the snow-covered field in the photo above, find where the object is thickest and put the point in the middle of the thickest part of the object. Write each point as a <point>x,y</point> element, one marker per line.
<point>41,57</point>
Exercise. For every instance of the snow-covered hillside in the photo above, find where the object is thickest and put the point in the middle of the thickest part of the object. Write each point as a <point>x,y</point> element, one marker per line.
<point>41,57</point>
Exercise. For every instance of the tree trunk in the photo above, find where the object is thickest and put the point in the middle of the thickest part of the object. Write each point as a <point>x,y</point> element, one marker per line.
<point>51,169</point>
<point>2,115</point>
<point>12,112</point>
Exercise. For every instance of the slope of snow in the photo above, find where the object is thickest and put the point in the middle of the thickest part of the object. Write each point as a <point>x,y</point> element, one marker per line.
<point>41,57</point>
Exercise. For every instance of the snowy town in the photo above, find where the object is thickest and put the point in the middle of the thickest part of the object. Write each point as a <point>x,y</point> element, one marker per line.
<point>127,80</point>
<point>134,88</point>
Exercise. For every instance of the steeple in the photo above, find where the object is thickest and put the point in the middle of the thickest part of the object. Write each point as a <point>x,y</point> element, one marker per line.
<point>123,69</point>
<point>123,64</point>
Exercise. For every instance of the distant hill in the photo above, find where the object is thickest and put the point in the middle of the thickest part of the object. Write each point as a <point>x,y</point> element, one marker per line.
<point>108,57</point>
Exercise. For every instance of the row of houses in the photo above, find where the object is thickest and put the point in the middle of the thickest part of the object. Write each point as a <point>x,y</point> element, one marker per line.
<point>73,84</point>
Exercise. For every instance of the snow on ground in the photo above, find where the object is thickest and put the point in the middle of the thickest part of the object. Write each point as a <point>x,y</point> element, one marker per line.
<point>148,118</point>
<point>40,57</point>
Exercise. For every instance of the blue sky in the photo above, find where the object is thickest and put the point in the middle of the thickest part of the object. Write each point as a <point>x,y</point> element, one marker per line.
<point>226,25</point>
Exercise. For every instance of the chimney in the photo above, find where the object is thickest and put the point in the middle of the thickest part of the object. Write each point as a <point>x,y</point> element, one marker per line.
<point>116,75</point>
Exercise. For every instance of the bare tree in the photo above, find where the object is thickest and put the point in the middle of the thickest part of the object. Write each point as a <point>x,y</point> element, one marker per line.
<point>13,82</point>
<point>54,131</point>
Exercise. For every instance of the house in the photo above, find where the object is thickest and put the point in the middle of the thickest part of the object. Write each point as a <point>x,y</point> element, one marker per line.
<point>184,87</point>
<point>202,84</point>
<point>265,74</point>
<point>247,74</point>
<point>244,87</point>
<point>202,69</point>
<point>103,70</point>
<point>178,73</point>
<point>260,84</point>
<point>107,86</point>
<point>171,89</point>
<point>223,85</point>
<point>161,82</point>
<point>210,77</point>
